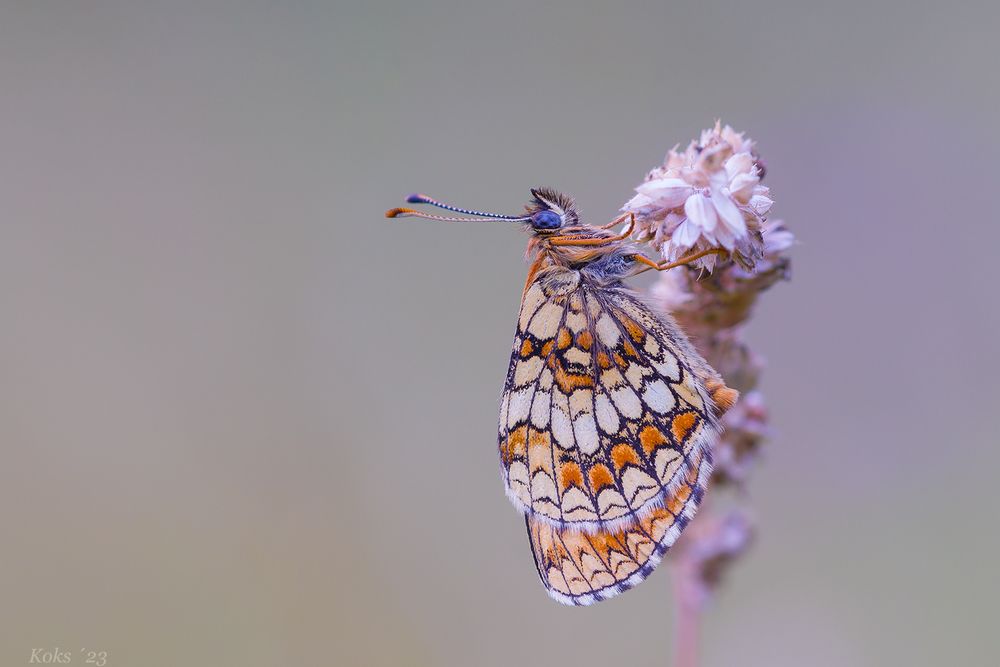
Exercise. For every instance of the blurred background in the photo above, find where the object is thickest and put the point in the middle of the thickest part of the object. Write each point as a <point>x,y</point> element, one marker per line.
<point>245,420</point>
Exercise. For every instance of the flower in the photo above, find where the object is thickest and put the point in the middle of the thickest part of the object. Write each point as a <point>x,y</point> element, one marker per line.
<point>707,196</point>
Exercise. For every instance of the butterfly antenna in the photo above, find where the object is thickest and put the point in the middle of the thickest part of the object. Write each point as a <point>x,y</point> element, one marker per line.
<point>410,213</point>
<point>424,199</point>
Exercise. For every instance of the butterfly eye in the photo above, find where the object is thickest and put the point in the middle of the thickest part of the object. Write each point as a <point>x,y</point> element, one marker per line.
<point>546,220</point>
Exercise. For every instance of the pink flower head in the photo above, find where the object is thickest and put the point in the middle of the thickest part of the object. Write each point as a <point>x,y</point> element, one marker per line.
<point>707,196</point>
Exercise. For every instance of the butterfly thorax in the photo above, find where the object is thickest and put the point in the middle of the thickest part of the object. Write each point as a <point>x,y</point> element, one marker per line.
<point>602,264</point>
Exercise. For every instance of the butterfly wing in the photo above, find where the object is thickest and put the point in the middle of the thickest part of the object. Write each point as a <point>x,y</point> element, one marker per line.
<point>580,568</point>
<point>604,410</point>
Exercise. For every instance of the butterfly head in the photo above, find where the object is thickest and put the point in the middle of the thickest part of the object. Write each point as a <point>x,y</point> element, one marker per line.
<point>549,211</point>
<point>546,213</point>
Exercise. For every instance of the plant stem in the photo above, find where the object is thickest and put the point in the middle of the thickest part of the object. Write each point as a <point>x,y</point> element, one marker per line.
<point>687,614</point>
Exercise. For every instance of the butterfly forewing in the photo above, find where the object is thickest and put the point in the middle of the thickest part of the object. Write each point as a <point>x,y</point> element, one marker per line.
<point>604,408</point>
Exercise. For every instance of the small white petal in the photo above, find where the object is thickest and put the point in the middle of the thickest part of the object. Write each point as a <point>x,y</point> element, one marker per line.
<point>656,185</point>
<point>761,204</point>
<point>700,211</point>
<point>666,192</point>
<point>729,213</point>
<point>709,237</point>
<point>712,158</point>
<point>741,163</point>
<point>708,262</point>
<point>685,235</point>
<point>777,239</point>
<point>638,202</point>
<point>725,237</point>
<point>671,220</point>
<point>718,180</point>
<point>742,187</point>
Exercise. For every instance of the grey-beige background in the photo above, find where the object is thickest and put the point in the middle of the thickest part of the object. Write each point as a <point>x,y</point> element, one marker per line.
<point>245,420</point>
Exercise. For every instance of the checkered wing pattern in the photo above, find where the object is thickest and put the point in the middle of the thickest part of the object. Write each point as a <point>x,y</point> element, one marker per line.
<point>602,410</point>
<point>605,433</point>
<point>580,568</point>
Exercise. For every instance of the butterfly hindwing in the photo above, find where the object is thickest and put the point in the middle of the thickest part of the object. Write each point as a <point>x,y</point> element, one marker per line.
<point>581,568</point>
<point>603,409</point>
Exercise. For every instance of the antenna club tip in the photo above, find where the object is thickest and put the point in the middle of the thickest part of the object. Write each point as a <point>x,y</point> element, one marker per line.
<point>397,212</point>
<point>417,198</point>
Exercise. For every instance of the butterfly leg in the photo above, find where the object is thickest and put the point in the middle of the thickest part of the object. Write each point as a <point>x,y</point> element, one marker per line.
<point>665,266</point>
<point>628,228</point>
<point>598,241</point>
<point>618,220</point>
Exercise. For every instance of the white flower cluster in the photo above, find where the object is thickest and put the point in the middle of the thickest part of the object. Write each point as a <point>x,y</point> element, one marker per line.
<point>707,196</point>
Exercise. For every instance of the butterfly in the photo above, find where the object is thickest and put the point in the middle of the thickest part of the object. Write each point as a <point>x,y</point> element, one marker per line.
<point>608,414</point>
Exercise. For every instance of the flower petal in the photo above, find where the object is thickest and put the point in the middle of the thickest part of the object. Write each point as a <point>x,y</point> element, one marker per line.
<point>730,215</point>
<point>686,234</point>
<point>666,192</point>
<point>653,186</point>
<point>740,163</point>
<point>725,238</point>
<point>776,237</point>
<point>712,159</point>
<point>742,187</point>
<point>701,212</point>
<point>761,204</point>
<point>640,201</point>
<point>736,139</point>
